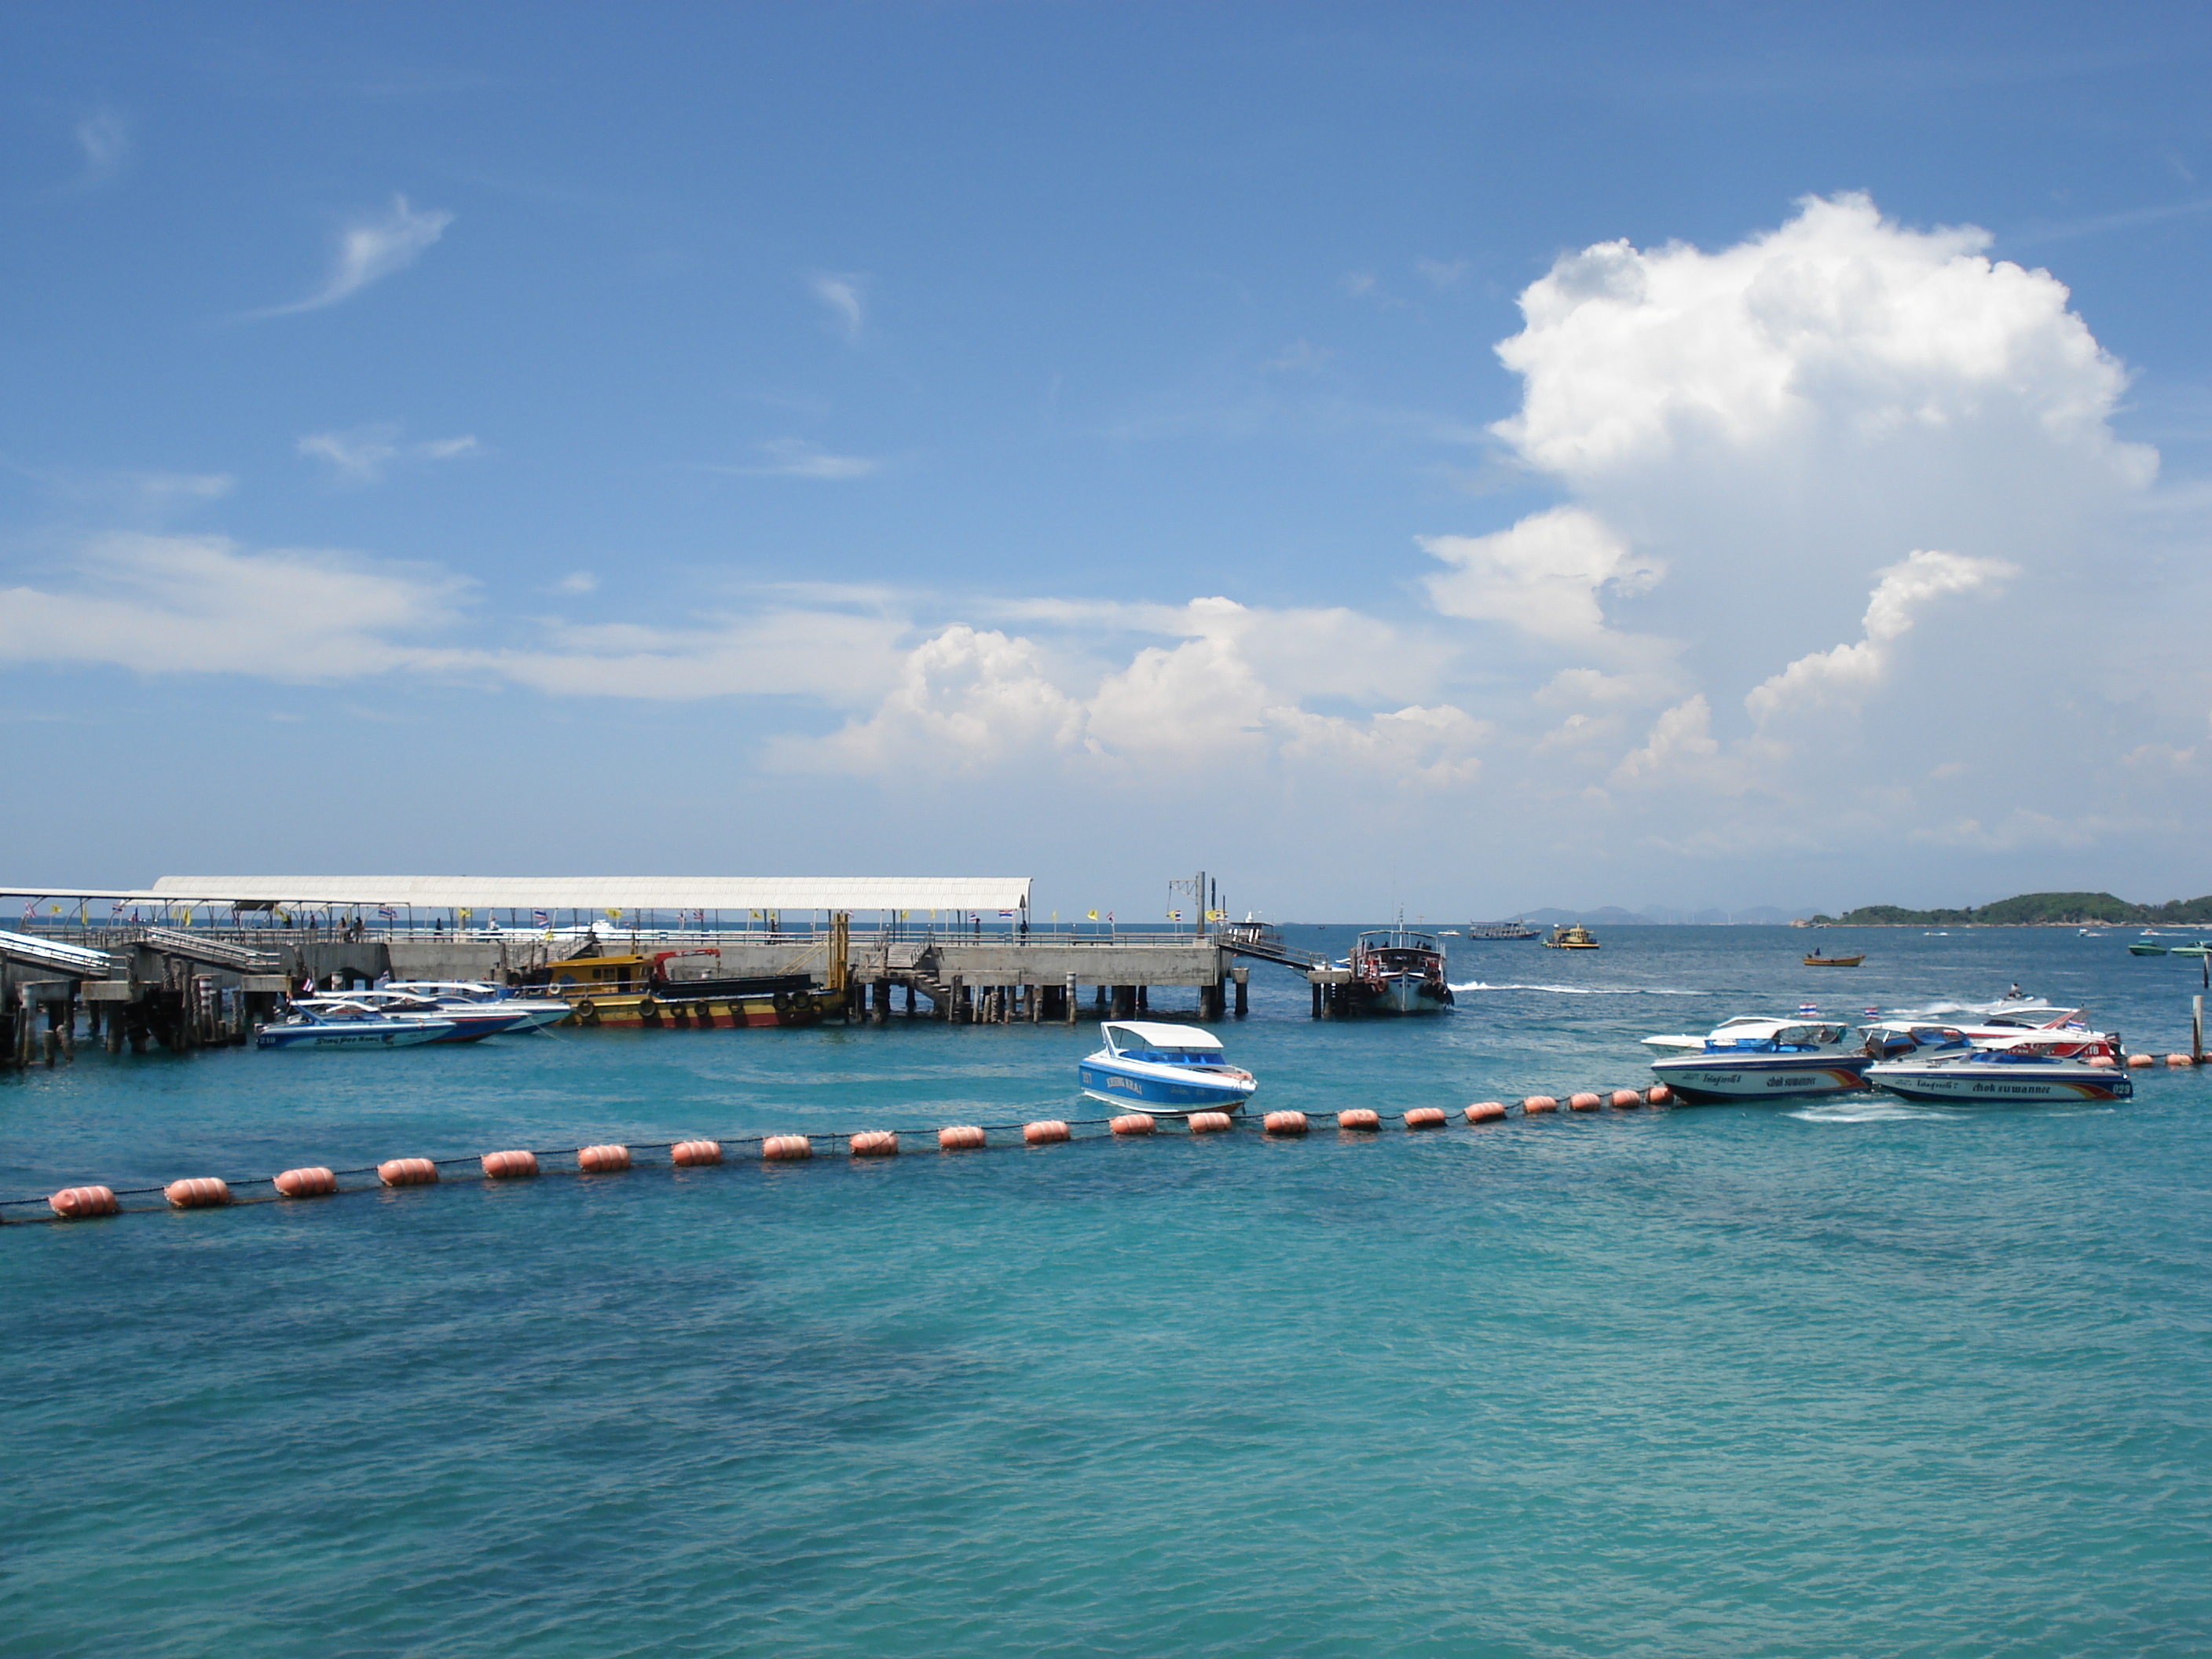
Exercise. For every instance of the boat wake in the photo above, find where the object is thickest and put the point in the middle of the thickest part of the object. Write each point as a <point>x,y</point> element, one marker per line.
<point>1872,1111</point>
<point>1586,990</point>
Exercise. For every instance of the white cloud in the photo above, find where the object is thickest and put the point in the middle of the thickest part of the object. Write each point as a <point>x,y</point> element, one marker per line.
<point>103,138</point>
<point>1851,671</point>
<point>577,582</point>
<point>1546,575</point>
<point>362,454</point>
<point>794,458</point>
<point>370,249</point>
<point>842,296</point>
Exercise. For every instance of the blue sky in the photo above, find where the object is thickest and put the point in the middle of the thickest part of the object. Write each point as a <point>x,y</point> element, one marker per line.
<point>1075,441</point>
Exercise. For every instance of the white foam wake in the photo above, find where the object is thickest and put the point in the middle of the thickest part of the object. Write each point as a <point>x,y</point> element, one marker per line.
<point>1586,990</point>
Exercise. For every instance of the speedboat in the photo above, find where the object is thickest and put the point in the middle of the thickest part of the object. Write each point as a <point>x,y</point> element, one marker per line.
<point>470,1022</point>
<point>475,993</point>
<point>1172,1070</point>
<point>336,1023</point>
<point>2023,1066</point>
<point>1751,1058</point>
<point>1726,1032</point>
<point>2147,945</point>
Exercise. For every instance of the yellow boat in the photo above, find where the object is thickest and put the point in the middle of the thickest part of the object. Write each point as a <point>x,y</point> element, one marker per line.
<point>1571,936</point>
<point>631,990</point>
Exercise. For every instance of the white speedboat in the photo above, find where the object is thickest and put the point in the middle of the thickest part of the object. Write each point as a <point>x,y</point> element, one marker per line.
<point>1750,1059</point>
<point>340,1025</point>
<point>475,993</point>
<point>1725,1033</point>
<point>1169,1070</point>
<point>2067,1030</point>
<point>2022,1067</point>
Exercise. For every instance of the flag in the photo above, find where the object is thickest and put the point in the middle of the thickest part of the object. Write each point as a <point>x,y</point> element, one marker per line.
<point>903,915</point>
<point>30,909</point>
<point>1175,915</point>
<point>614,915</point>
<point>466,914</point>
<point>388,913</point>
<point>537,916</point>
<point>1007,914</point>
<point>1094,915</point>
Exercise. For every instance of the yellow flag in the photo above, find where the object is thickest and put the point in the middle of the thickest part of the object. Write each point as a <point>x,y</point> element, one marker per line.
<point>614,915</point>
<point>1093,915</point>
<point>466,914</point>
<point>188,918</point>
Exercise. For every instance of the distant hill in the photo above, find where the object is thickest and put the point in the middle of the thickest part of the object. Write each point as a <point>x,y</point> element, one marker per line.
<point>2034,910</point>
<point>1612,915</point>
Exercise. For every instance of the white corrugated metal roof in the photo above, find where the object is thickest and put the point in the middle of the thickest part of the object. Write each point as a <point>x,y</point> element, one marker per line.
<point>610,892</point>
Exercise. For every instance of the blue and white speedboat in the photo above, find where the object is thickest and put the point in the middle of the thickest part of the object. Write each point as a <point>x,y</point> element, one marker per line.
<point>1170,1070</point>
<point>350,1025</point>
<point>1753,1059</point>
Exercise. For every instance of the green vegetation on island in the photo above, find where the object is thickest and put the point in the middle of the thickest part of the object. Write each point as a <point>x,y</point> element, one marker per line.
<point>2032,910</point>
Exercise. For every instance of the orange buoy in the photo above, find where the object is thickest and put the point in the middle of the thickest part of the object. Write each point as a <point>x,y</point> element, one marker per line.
<point>72,1203</point>
<point>785,1149</point>
<point>1533,1104</point>
<point>1132,1123</point>
<point>1284,1123</point>
<point>960,1137</point>
<point>1584,1101</point>
<point>508,1166</point>
<point>407,1172</point>
<point>602,1160</point>
<point>1486,1111</point>
<point>874,1143</point>
<point>1359,1117</point>
<point>1625,1100</point>
<point>1044,1132</point>
<point>1658,1095</point>
<point>312,1183</point>
<point>1207,1123</point>
<point>2179,1059</point>
<point>689,1152</point>
<point>2100,1062</point>
<point>1426,1117</point>
<point>2135,1062</point>
<point>201,1193</point>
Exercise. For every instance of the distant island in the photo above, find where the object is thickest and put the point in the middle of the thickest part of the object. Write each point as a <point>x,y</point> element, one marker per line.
<point>2030,910</point>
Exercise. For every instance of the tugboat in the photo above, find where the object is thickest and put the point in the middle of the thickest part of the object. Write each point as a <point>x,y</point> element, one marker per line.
<point>1571,936</point>
<point>1394,971</point>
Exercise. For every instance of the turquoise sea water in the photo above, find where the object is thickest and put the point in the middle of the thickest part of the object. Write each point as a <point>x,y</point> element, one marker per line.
<point>1865,1379</point>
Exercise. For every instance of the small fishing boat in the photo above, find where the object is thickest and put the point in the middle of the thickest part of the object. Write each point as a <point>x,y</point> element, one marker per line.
<point>1167,1069</point>
<point>2024,1068</point>
<point>1753,1059</point>
<point>1816,960</point>
<point>1395,971</point>
<point>342,1024</point>
<point>1571,936</point>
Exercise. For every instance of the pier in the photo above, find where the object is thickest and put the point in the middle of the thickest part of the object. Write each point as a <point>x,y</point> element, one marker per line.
<point>192,962</point>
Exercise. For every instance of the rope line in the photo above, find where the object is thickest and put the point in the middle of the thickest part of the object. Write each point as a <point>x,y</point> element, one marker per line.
<point>1238,1120</point>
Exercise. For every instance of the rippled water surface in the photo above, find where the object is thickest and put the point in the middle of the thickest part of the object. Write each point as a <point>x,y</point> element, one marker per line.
<point>1865,1378</point>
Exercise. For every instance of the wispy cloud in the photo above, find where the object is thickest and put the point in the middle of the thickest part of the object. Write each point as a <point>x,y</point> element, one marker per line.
<point>2102,224</point>
<point>104,137</point>
<point>368,250</point>
<point>842,294</point>
<point>362,454</point>
<point>577,582</point>
<point>1442,274</point>
<point>794,458</point>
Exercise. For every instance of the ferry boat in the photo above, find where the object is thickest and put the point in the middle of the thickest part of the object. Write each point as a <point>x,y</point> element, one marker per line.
<point>1517,929</point>
<point>1396,971</point>
<point>633,991</point>
<point>2027,1068</point>
<point>341,1025</point>
<point>1166,1070</point>
<point>1754,1059</point>
<point>1571,936</point>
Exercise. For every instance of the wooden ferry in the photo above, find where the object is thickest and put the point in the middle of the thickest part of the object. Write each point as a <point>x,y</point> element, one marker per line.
<point>637,991</point>
<point>1571,936</point>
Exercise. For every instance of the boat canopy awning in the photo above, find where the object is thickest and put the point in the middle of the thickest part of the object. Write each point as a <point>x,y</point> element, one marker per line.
<point>1150,1035</point>
<point>603,893</point>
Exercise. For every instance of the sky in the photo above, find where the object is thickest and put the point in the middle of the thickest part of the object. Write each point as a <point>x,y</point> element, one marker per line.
<point>1471,459</point>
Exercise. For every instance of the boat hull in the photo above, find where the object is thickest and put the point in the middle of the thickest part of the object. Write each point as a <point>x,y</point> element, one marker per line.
<point>1726,1080</point>
<point>1971,1085</point>
<point>364,1035</point>
<point>652,1013</point>
<point>1398,993</point>
<point>1120,1086</point>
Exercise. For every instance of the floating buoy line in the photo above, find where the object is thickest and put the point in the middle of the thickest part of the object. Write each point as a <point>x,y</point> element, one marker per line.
<point>314,1180</point>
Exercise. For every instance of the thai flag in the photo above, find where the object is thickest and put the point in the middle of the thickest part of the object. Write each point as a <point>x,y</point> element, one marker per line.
<point>388,913</point>
<point>542,919</point>
<point>1808,1008</point>
<point>1008,914</point>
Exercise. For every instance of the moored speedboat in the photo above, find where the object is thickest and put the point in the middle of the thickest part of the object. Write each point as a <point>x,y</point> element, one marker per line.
<point>341,1025</point>
<point>469,1023</point>
<point>1751,1058</point>
<point>469,993</point>
<point>2022,1067</point>
<point>1169,1070</point>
